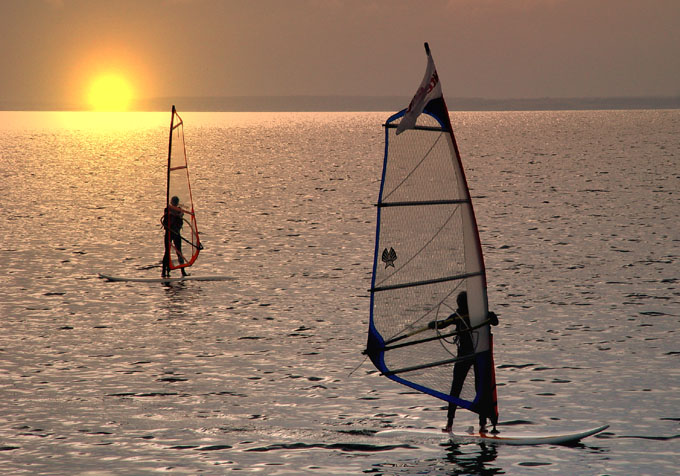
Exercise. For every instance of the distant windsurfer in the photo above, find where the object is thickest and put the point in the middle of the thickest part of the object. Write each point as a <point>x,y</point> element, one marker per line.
<point>481,365</point>
<point>173,219</point>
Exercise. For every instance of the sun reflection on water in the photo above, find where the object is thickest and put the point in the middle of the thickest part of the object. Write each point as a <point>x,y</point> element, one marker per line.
<point>82,120</point>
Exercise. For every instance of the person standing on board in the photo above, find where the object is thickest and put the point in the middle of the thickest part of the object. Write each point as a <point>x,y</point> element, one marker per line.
<point>466,351</point>
<point>173,219</point>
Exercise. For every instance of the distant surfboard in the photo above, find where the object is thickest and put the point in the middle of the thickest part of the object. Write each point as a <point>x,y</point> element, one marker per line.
<point>165,280</point>
<point>504,437</point>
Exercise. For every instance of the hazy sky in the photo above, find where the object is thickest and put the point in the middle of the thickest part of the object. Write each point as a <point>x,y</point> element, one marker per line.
<point>52,49</point>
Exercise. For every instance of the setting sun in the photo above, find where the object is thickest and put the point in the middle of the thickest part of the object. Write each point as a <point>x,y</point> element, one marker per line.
<point>110,92</point>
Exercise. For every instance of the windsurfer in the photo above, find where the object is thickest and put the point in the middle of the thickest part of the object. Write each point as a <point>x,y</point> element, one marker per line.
<point>466,351</point>
<point>173,219</point>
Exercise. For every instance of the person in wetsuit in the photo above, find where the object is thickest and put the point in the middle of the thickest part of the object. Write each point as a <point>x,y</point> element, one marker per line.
<point>466,351</point>
<point>173,219</point>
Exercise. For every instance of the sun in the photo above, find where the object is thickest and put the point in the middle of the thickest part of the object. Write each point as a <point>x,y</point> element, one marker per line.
<point>110,92</point>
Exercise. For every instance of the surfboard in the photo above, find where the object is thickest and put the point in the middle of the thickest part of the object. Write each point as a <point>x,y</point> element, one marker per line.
<point>165,280</point>
<point>508,437</point>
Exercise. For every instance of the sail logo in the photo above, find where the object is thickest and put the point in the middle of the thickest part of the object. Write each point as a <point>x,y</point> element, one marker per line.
<point>389,257</point>
<point>423,92</point>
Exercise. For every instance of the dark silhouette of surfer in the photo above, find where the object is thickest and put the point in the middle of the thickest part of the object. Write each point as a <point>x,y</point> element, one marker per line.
<point>480,363</point>
<point>173,219</point>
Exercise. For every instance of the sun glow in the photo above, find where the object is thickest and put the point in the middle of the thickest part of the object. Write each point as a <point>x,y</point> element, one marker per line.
<point>110,92</point>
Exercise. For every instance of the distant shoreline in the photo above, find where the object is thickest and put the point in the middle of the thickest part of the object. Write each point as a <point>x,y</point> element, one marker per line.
<point>364,103</point>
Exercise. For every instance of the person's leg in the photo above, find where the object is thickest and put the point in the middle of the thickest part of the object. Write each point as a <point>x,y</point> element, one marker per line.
<point>165,271</point>
<point>460,371</point>
<point>180,257</point>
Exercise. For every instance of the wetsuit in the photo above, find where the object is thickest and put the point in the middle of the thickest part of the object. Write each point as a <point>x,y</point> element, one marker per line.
<point>172,222</point>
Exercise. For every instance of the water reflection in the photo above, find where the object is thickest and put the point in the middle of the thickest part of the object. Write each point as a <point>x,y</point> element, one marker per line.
<point>460,459</point>
<point>470,462</point>
<point>180,296</point>
<point>576,244</point>
<point>82,120</point>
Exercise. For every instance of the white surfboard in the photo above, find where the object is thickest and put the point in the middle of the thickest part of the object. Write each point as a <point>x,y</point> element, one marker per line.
<point>166,280</point>
<point>505,437</point>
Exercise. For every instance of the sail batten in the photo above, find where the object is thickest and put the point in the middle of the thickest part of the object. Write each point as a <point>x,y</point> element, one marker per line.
<point>423,283</point>
<point>417,128</point>
<point>429,365</point>
<point>389,345</point>
<point>422,203</point>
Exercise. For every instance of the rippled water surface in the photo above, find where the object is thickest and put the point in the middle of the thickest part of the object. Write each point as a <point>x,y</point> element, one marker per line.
<point>578,215</point>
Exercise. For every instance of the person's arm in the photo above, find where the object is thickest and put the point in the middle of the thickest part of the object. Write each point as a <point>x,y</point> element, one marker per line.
<point>443,323</point>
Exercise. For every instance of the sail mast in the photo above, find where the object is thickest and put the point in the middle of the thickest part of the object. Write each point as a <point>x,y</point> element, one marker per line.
<point>167,187</point>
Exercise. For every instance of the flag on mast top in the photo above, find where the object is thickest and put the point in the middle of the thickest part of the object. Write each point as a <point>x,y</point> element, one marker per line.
<point>430,88</point>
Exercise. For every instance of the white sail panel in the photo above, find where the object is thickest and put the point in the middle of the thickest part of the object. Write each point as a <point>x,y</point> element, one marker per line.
<point>427,252</point>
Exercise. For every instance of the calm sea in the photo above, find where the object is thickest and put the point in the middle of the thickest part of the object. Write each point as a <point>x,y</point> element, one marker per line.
<point>578,214</point>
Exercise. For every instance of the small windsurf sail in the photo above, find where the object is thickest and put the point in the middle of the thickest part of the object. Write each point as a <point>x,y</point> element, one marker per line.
<point>427,251</point>
<point>179,218</point>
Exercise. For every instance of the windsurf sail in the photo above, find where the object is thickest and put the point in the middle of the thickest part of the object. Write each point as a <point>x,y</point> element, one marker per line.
<point>427,251</point>
<point>179,218</point>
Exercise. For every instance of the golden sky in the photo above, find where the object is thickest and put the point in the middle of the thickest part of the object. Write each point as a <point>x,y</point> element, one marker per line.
<point>53,50</point>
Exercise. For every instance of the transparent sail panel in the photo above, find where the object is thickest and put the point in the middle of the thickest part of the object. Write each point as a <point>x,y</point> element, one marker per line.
<point>427,252</point>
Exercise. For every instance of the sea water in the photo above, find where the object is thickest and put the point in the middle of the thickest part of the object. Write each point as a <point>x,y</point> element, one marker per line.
<point>578,213</point>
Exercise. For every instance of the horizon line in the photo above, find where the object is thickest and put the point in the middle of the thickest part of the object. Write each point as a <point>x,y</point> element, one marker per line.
<point>356,103</point>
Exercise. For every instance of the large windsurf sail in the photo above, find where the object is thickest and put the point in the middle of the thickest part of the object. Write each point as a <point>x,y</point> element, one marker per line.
<point>427,252</point>
<point>179,218</point>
